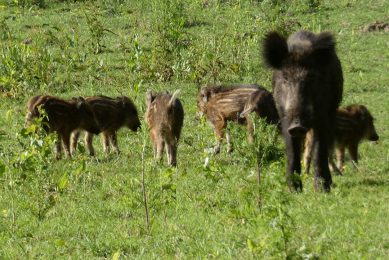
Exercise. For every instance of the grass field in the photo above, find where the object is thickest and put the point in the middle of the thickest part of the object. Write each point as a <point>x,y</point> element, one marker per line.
<point>94,207</point>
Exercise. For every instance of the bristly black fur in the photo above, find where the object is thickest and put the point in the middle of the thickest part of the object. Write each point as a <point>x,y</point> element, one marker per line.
<point>324,48</point>
<point>275,50</point>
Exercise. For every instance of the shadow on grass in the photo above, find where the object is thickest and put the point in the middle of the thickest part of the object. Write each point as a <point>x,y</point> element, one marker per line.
<point>367,182</point>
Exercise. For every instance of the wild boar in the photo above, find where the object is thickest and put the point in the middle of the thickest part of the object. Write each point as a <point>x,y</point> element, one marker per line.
<point>165,117</point>
<point>262,103</point>
<point>111,114</point>
<point>354,123</point>
<point>221,104</point>
<point>63,117</point>
<point>307,89</point>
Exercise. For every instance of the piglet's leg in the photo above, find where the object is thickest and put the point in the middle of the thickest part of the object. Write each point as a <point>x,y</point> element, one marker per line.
<point>58,147</point>
<point>66,142</point>
<point>230,147</point>
<point>160,145</point>
<point>171,151</point>
<point>219,127</point>
<point>114,142</point>
<point>353,150</point>
<point>74,141</point>
<point>105,140</point>
<point>340,157</point>
<point>250,129</point>
<point>89,143</point>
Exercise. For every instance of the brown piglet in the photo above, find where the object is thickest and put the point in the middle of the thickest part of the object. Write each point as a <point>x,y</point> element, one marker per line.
<point>165,117</point>
<point>63,117</point>
<point>354,123</point>
<point>220,104</point>
<point>111,114</point>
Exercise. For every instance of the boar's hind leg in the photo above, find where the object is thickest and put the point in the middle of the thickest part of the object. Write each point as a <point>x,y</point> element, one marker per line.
<point>293,150</point>
<point>89,143</point>
<point>322,171</point>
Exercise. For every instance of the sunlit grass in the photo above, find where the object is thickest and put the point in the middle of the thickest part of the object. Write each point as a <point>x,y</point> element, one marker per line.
<point>94,207</point>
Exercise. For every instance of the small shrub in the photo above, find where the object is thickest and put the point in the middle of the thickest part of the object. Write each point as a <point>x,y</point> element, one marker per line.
<point>5,31</point>
<point>96,29</point>
<point>28,3</point>
<point>25,69</point>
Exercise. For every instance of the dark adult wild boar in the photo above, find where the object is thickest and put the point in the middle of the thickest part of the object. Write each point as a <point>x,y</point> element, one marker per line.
<point>221,104</point>
<point>111,114</point>
<point>165,117</point>
<point>262,103</point>
<point>353,124</point>
<point>307,88</point>
<point>63,117</point>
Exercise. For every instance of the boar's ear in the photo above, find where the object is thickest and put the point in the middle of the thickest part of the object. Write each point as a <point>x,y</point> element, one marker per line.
<point>149,97</point>
<point>364,113</point>
<point>324,48</point>
<point>275,50</point>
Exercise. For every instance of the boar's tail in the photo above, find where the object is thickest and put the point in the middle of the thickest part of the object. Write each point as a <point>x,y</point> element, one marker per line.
<point>173,98</point>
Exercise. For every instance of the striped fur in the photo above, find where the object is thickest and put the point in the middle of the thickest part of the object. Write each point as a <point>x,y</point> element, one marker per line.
<point>111,114</point>
<point>262,103</point>
<point>221,104</point>
<point>165,117</point>
<point>354,123</point>
<point>63,117</point>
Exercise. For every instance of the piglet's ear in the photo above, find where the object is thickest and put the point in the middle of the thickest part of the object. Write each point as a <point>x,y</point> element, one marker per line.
<point>174,97</point>
<point>275,50</point>
<point>204,94</point>
<point>121,101</point>
<point>80,102</point>
<point>149,97</point>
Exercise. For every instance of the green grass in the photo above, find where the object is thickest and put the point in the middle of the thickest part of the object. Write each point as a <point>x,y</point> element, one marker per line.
<point>93,207</point>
